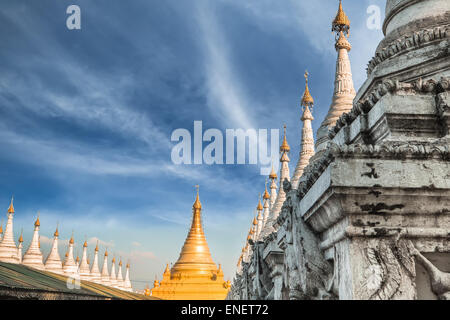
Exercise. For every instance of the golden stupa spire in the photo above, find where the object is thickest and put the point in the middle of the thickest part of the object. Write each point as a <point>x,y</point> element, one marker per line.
<point>1,227</point>
<point>285,146</point>
<point>195,256</point>
<point>96,247</point>
<point>307,99</point>
<point>71,239</point>
<point>21,236</point>
<point>11,206</point>
<point>341,22</point>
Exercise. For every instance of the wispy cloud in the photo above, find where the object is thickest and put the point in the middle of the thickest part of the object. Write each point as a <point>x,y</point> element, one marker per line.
<point>226,94</point>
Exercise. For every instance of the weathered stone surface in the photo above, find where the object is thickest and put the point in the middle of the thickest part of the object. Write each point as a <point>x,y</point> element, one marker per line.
<point>370,218</point>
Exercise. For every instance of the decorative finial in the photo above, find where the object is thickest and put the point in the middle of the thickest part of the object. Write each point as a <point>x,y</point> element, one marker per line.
<point>341,21</point>
<point>21,236</point>
<point>71,239</point>
<point>37,223</point>
<point>266,194</point>
<point>96,247</point>
<point>307,99</point>
<point>273,174</point>
<point>285,146</point>
<point>197,204</point>
<point>56,234</point>
<point>260,207</point>
<point>11,206</point>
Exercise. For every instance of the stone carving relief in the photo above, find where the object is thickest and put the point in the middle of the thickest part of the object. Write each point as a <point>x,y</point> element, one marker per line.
<point>389,265</point>
<point>407,42</point>
<point>440,281</point>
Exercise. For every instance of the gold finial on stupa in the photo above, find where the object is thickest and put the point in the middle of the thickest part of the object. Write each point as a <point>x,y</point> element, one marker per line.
<point>11,206</point>
<point>285,146</point>
<point>307,99</point>
<point>1,227</point>
<point>96,247</point>
<point>106,252</point>
<point>197,204</point>
<point>341,21</point>
<point>56,234</point>
<point>37,223</point>
<point>71,239</point>
<point>21,236</point>
<point>260,207</point>
<point>273,174</point>
<point>167,270</point>
<point>85,244</point>
<point>266,193</point>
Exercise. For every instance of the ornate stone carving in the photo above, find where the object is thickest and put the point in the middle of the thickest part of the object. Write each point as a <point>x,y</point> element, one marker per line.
<point>440,281</point>
<point>407,42</point>
<point>387,263</point>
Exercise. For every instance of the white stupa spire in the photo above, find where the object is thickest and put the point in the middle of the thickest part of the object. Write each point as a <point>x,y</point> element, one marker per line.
<point>259,217</point>
<point>344,91</point>
<point>273,188</point>
<point>33,257</point>
<point>119,281</point>
<point>83,269</point>
<point>266,208</point>
<point>8,248</point>
<point>105,280</point>
<point>53,262</point>
<point>95,271</point>
<point>307,142</point>
<point>70,267</point>
<point>127,283</point>
<point>113,276</point>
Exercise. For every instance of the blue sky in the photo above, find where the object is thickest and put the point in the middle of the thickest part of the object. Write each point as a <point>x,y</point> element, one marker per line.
<point>86,115</point>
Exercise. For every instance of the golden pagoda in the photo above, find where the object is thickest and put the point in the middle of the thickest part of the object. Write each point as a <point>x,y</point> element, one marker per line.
<point>194,276</point>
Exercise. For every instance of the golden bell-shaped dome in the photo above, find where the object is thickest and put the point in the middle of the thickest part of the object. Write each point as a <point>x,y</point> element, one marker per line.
<point>71,240</point>
<point>285,146</point>
<point>113,260</point>
<point>341,22</point>
<point>96,247</point>
<point>120,262</point>
<point>106,252</point>
<point>56,234</point>
<point>195,256</point>
<point>85,244</point>
<point>11,206</point>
